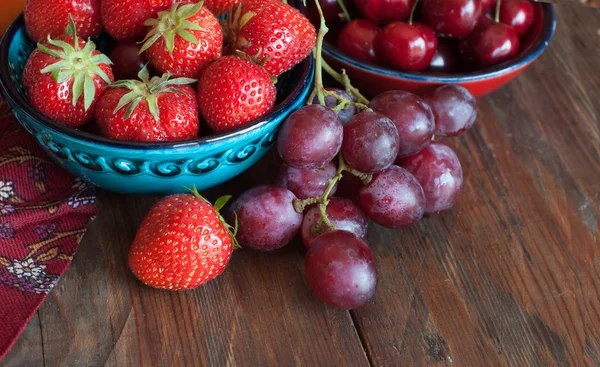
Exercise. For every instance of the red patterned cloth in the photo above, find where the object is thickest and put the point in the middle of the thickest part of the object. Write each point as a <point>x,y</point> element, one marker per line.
<point>44,212</point>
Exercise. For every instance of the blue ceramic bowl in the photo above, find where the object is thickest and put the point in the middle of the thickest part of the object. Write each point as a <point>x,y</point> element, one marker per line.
<point>141,168</point>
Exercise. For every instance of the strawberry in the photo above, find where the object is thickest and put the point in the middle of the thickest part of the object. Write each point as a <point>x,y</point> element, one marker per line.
<point>233,91</point>
<point>272,29</point>
<point>45,18</point>
<point>182,243</point>
<point>219,7</point>
<point>183,40</point>
<point>158,109</point>
<point>124,19</point>
<point>61,71</point>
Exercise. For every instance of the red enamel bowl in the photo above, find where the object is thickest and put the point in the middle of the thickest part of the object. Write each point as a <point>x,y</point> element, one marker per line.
<point>373,79</point>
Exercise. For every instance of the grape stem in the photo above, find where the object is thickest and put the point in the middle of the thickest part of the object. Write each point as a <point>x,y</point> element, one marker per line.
<point>344,80</point>
<point>323,200</point>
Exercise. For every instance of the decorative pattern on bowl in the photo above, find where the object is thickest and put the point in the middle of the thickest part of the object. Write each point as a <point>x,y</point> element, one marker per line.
<point>147,168</point>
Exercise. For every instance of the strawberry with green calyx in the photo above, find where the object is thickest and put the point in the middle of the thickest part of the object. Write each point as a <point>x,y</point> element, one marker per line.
<point>272,29</point>
<point>234,91</point>
<point>149,110</point>
<point>124,19</point>
<point>64,78</point>
<point>182,243</point>
<point>183,40</point>
<point>45,18</point>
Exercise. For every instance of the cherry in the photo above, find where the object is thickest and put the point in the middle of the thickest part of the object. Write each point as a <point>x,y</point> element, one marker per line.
<point>487,5</point>
<point>490,43</point>
<point>332,13</point>
<point>408,47</point>
<point>357,39</point>
<point>517,13</point>
<point>385,11</point>
<point>445,59</point>
<point>451,18</point>
<point>127,62</point>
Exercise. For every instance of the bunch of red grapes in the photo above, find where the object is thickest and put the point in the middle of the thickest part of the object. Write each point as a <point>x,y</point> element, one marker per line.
<point>389,169</point>
<point>429,35</point>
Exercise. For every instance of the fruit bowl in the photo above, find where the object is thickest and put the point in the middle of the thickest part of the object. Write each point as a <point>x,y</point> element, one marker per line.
<point>373,79</point>
<point>147,168</point>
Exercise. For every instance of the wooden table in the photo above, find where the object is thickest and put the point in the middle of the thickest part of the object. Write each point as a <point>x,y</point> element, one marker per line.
<point>510,276</point>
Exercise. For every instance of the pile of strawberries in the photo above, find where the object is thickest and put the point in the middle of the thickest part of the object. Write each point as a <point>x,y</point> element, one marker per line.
<point>221,72</point>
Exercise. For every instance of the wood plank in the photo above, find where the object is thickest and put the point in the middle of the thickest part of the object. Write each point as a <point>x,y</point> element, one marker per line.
<point>510,276</point>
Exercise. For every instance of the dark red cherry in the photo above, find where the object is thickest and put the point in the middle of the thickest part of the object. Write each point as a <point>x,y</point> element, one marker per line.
<point>407,47</point>
<point>331,12</point>
<point>127,62</point>
<point>451,18</point>
<point>385,11</point>
<point>357,39</point>
<point>519,14</point>
<point>445,59</point>
<point>490,43</point>
<point>487,5</point>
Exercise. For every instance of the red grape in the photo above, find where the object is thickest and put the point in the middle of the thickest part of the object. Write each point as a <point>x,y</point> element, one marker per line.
<point>310,137</point>
<point>411,115</point>
<point>266,217</point>
<point>357,39</point>
<point>451,18</point>
<point>454,108</point>
<point>394,199</point>
<point>127,62</point>
<point>371,142</point>
<point>331,102</point>
<point>340,268</point>
<point>439,172</point>
<point>306,183</point>
<point>344,214</point>
<point>349,187</point>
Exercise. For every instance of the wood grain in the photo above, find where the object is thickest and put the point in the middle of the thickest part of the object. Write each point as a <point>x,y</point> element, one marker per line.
<point>509,277</point>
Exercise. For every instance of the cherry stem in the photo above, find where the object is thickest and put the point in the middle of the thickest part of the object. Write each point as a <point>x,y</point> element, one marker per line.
<point>412,12</point>
<point>344,10</point>
<point>497,15</point>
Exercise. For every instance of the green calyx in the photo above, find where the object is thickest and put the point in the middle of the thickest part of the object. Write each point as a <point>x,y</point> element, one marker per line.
<point>220,204</point>
<point>147,89</point>
<point>173,22</point>
<point>79,64</point>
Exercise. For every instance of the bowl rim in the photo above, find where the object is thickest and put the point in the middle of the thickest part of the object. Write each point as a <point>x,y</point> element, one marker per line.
<point>12,93</point>
<point>534,50</point>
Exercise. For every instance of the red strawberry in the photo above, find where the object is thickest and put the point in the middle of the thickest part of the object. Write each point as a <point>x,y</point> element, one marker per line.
<point>58,73</point>
<point>182,243</point>
<point>124,19</point>
<point>234,91</point>
<point>158,109</point>
<point>272,29</point>
<point>183,40</point>
<point>45,18</point>
<point>218,7</point>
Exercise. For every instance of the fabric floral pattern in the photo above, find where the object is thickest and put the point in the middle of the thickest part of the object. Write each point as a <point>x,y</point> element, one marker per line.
<point>44,213</point>
<point>6,190</point>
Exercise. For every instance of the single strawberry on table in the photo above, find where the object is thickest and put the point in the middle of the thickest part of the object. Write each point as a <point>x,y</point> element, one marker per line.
<point>273,30</point>
<point>45,18</point>
<point>182,243</point>
<point>149,110</point>
<point>124,19</point>
<point>233,91</point>
<point>183,40</point>
<point>64,77</point>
